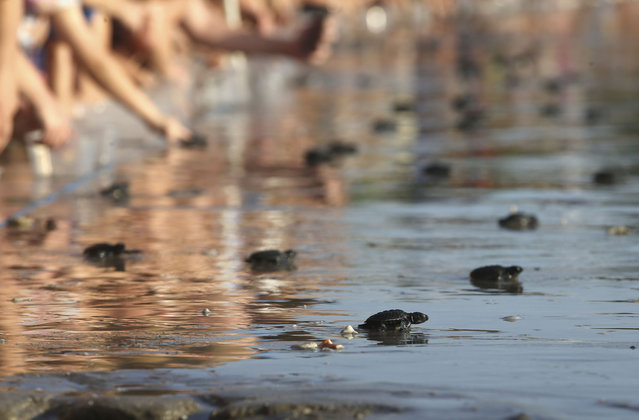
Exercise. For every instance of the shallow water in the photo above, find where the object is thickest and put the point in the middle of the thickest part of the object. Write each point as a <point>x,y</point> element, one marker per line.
<point>371,232</point>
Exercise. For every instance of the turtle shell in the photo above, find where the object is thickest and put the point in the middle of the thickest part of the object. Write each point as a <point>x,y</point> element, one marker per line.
<point>103,251</point>
<point>106,255</point>
<point>519,221</point>
<point>497,277</point>
<point>393,319</point>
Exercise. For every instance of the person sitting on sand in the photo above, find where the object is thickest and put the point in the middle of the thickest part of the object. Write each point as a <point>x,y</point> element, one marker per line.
<point>70,26</point>
<point>152,27</point>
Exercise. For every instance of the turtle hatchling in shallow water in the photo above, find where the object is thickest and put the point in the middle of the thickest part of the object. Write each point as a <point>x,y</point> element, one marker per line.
<point>519,221</point>
<point>497,277</point>
<point>108,255</point>
<point>272,260</point>
<point>118,192</point>
<point>393,320</point>
<point>105,255</point>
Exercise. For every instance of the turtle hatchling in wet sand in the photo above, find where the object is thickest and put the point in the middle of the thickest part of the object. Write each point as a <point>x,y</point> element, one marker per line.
<point>272,260</point>
<point>497,277</point>
<point>393,320</point>
<point>519,221</point>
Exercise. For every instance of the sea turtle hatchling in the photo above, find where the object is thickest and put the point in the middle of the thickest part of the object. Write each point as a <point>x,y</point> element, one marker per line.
<point>519,221</point>
<point>272,260</point>
<point>393,320</point>
<point>105,255</point>
<point>108,255</point>
<point>497,277</point>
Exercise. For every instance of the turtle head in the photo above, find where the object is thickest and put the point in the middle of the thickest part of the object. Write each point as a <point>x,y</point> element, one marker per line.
<point>290,253</point>
<point>418,317</point>
<point>514,271</point>
<point>118,248</point>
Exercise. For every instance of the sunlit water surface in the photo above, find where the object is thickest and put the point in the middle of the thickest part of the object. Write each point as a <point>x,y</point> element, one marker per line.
<point>372,233</point>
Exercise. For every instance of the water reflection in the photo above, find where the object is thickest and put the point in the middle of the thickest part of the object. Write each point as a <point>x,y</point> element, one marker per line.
<point>396,338</point>
<point>533,79</point>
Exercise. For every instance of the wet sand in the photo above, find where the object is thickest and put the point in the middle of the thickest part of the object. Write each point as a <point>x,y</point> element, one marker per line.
<point>549,108</point>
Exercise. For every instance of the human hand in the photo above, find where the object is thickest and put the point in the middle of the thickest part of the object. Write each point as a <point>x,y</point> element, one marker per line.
<point>174,131</point>
<point>57,127</point>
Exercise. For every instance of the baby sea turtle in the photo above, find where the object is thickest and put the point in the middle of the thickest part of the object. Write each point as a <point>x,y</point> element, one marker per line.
<point>105,255</point>
<point>438,170</point>
<point>328,153</point>
<point>317,156</point>
<point>464,101</point>
<point>608,177</point>
<point>393,320</point>
<point>340,148</point>
<point>404,106</point>
<point>519,221</point>
<point>108,255</point>
<point>384,125</point>
<point>497,277</point>
<point>272,260</point>
<point>470,119</point>
<point>118,192</point>
<point>550,110</point>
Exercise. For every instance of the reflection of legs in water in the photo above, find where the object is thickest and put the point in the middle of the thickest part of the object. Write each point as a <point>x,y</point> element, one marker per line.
<point>312,42</point>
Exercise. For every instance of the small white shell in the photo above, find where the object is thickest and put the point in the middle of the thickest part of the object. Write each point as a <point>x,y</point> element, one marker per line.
<point>309,346</point>
<point>206,312</point>
<point>511,318</point>
<point>348,331</point>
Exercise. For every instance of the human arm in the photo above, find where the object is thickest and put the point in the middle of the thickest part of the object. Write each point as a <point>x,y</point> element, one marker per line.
<point>202,25</point>
<point>71,27</point>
